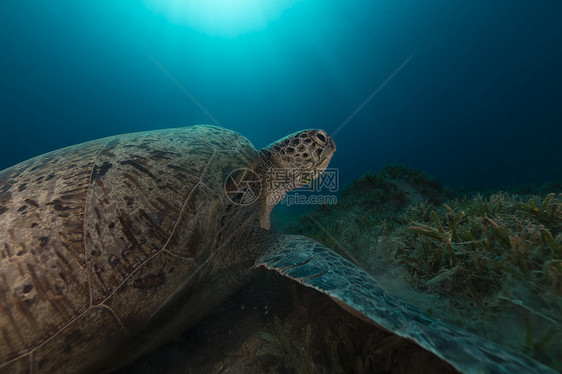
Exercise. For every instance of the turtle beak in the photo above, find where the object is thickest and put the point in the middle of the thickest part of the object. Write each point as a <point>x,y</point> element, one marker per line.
<point>326,153</point>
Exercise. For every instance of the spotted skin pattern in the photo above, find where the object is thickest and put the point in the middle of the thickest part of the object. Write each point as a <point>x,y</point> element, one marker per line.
<point>291,162</point>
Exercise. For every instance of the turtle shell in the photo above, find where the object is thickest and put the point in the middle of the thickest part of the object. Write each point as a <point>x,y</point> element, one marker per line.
<point>97,241</point>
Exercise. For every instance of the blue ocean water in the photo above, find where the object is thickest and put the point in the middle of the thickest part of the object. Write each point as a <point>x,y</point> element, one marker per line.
<point>468,91</point>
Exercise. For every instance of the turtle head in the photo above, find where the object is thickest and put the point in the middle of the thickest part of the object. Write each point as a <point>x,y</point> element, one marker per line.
<point>309,150</point>
<point>294,161</point>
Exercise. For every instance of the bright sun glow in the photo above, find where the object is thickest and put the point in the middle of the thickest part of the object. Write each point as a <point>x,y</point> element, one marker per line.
<point>226,18</point>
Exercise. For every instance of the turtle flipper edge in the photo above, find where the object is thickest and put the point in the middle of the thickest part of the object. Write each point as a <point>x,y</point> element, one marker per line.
<point>314,265</point>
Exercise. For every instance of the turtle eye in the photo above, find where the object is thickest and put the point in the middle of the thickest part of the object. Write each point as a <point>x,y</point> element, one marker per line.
<point>320,137</point>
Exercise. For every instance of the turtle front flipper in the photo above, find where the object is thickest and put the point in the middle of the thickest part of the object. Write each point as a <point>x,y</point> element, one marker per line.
<point>314,265</point>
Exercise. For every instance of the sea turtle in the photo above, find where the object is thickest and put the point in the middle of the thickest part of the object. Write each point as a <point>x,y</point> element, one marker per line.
<point>111,247</point>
